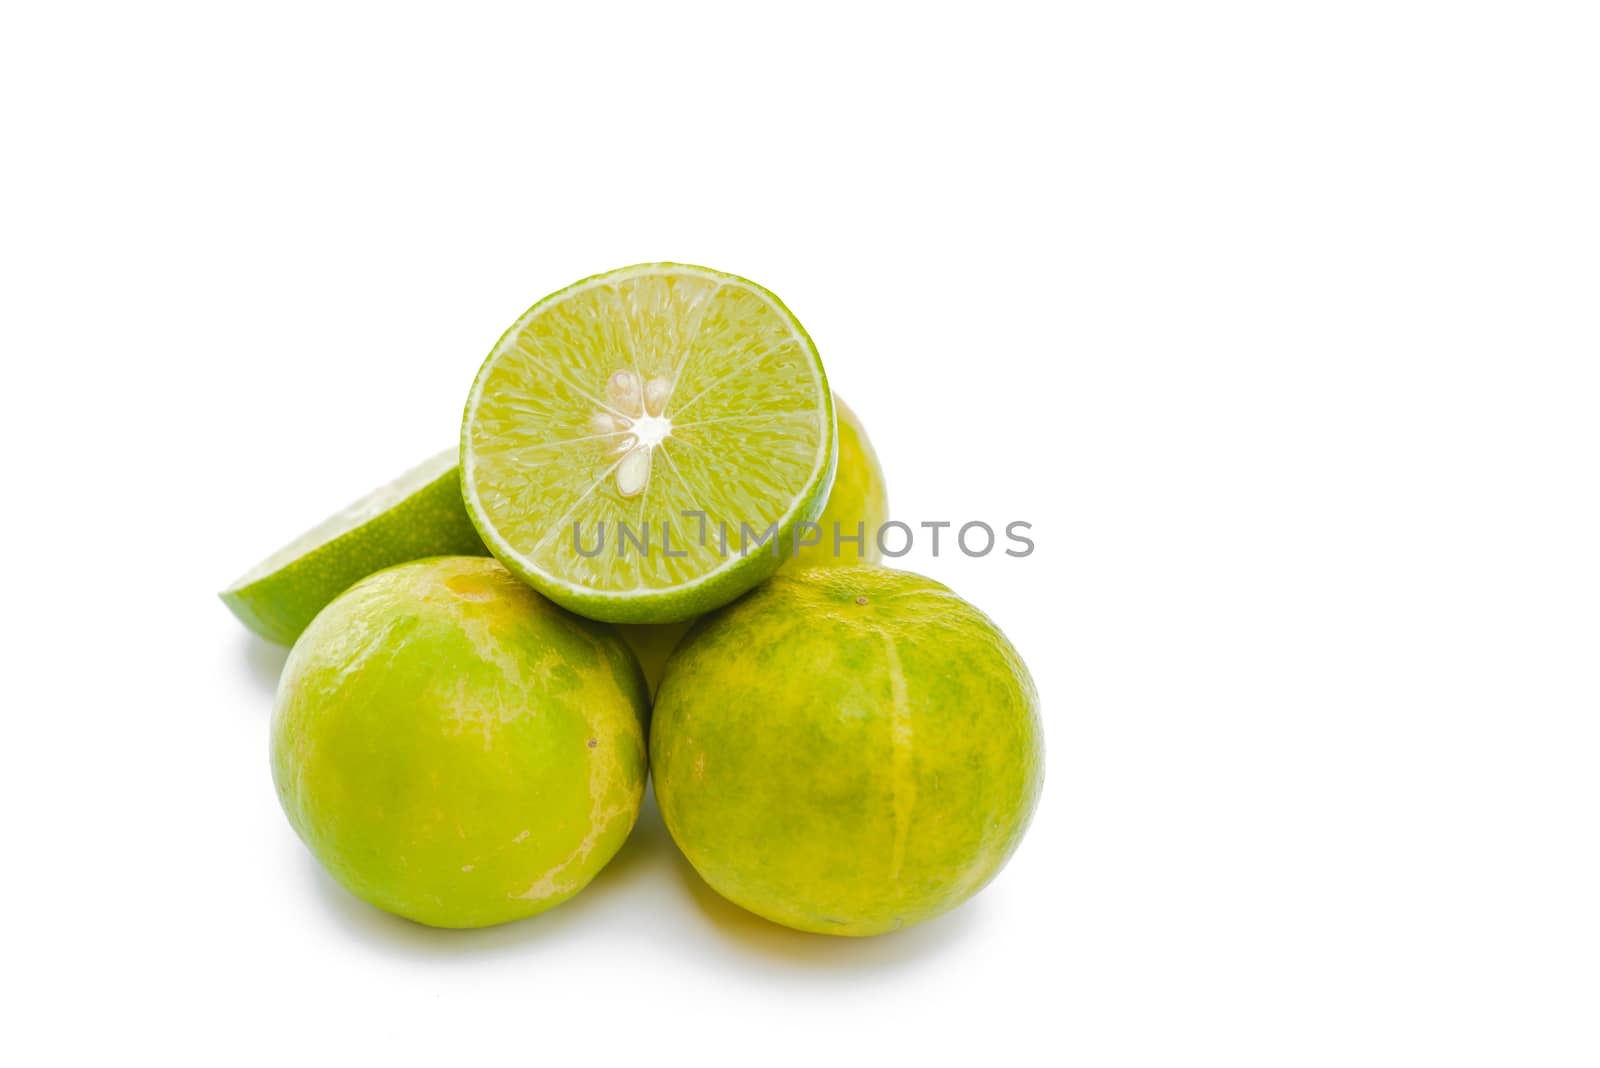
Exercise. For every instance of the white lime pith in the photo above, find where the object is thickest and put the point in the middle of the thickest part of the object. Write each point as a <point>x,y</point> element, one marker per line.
<point>640,446</point>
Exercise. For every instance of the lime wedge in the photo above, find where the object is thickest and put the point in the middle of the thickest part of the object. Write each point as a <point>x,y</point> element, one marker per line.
<point>417,515</point>
<point>639,446</point>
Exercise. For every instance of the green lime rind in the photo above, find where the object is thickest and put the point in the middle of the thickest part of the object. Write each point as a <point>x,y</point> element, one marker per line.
<point>847,750</point>
<point>732,575</point>
<point>455,749</point>
<point>858,501</point>
<point>418,515</point>
<point>652,645</point>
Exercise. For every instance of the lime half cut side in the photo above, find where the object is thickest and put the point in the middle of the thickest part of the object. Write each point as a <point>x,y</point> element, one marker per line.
<point>636,443</point>
<point>417,515</point>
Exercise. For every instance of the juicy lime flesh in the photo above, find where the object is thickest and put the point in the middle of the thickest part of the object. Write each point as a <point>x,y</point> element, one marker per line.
<point>687,406</point>
<point>847,750</point>
<point>455,749</point>
<point>417,515</point>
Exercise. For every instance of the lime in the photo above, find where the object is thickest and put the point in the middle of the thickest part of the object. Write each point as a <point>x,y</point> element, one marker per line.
<point>858,503</point>
<point>640,445</point>
<point>418,514</point>
<point>652,645</point>
<point>847,750</point>
<point>456,749</point>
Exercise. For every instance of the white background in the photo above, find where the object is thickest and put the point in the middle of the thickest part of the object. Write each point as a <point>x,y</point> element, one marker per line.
<point>1279,321</point>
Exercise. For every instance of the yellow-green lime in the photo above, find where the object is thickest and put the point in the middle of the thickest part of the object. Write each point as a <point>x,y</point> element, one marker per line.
<point>847,750</point>
<point>858,503</point>
<point>640,445</point>
<point>456,749</point>
<point>652,644</point>
<point>419,514</point>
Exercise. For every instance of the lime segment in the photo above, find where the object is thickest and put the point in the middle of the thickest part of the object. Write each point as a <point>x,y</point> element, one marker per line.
<point>417,515</point>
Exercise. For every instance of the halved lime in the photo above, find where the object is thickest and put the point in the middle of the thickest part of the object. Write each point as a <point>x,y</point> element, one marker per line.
<point>639,446</point>
<point>417,515</point>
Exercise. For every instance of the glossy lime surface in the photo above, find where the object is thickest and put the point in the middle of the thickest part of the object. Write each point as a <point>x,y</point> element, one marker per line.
<point>456,749</point>
<point>847,750</point>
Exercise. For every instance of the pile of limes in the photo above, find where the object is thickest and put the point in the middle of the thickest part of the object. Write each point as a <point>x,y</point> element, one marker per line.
<point>654,551</point>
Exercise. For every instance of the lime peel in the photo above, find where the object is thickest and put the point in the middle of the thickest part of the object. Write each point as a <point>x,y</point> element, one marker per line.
<point>417,515</point>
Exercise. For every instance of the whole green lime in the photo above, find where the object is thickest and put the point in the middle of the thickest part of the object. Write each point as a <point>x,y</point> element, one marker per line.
<point>653,643</point>
<point>858,503</point>
<point>456,749</point>
<point>847,750</point>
